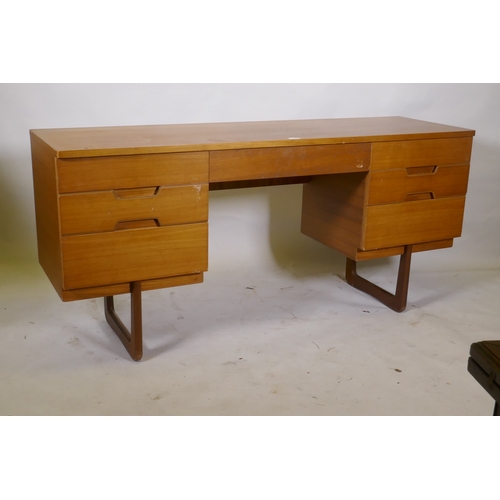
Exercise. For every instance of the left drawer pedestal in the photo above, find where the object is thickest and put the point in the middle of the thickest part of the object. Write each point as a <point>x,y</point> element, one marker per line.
<point>121,224</point>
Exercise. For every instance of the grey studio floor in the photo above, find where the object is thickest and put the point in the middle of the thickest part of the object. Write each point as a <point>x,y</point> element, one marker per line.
<point>250,343</point>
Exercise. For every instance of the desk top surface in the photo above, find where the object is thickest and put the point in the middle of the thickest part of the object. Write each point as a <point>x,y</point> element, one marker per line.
<point>147,139</point>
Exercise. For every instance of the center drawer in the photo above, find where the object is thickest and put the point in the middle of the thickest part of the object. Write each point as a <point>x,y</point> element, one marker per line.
<point>109,210</point>
<point>91,260</point>
<point>296,161</point>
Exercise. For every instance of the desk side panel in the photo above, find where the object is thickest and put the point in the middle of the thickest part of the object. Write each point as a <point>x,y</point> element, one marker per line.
<point>47,211</point>
<point>332,210</point>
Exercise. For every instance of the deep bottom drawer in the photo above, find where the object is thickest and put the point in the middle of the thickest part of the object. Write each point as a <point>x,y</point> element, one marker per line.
<point>134,255</point>
<point>413,222</point>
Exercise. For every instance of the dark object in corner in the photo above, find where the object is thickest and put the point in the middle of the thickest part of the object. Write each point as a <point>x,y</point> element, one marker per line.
<point>484,366</point>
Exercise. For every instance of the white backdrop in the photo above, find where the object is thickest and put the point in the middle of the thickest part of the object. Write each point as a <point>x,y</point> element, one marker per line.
<point>259,228</point>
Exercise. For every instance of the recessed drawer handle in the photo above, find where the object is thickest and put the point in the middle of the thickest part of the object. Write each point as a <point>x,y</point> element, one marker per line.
<point>419,196</point>
<point>144,192</point>
<point>137,224</point>
<point>429,170</point>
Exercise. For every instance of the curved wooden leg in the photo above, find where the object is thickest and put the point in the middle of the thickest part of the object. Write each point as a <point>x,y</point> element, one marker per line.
<point>397,301</point>
<point>131,340</point>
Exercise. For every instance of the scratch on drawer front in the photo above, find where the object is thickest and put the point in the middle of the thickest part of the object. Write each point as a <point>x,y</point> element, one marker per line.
<point>360,164</point>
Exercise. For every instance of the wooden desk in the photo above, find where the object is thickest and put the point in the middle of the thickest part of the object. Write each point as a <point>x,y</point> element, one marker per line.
<point>125,209</point>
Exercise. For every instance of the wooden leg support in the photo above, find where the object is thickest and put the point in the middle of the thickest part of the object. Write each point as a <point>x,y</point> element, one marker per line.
<point>131,340</point>
<point>396,302</point>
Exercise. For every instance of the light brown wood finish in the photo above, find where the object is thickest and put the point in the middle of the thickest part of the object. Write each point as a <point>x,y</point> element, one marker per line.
<point>360,255</point>
<point>91,260</point>
<point>334,212</point>
<point>103,210</point>
<point>399,185</point>
<point>266,163</point>
<point>413,195</point>
<point>120,172</point>
<point>412,222</point>
<point>122,288</point>
<point>333,209</point>
<point>47,211</point>
<point>122,205</point>
<point>420,153</point>
<point>134,140</point>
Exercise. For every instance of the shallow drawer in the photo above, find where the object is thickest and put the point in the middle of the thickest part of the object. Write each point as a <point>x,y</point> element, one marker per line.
<point>413,183</point>
<point>269,163</point>
<point>134,255</point>
<point>133,171</point>
<point>412,222</point>
<point>109,210</point>
<point>423,153</point>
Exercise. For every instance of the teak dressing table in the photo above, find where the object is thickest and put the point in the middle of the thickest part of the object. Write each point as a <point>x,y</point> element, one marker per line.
<point>125,209</point>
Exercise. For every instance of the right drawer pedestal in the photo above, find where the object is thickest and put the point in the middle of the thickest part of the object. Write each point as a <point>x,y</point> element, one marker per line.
<point>414,194</point>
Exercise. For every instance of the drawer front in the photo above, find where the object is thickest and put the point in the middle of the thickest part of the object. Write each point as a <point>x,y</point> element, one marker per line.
<point>109,210</point>
<point>429,152</point>
<point>412,222</point>
<point>269,163</point>
<point>397,186</point>
<point>133,171</point>
<point>134,255</point>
